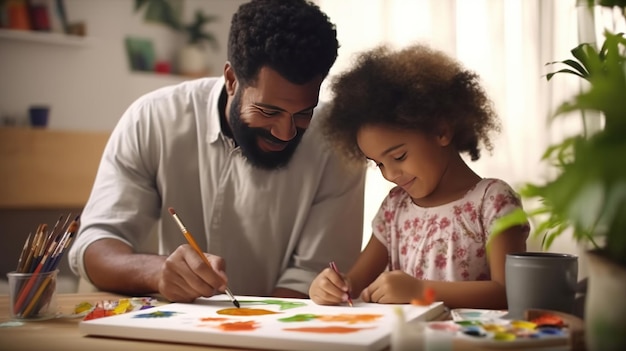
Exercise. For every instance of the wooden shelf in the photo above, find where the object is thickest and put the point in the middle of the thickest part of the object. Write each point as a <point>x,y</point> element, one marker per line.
<point>44,37</point>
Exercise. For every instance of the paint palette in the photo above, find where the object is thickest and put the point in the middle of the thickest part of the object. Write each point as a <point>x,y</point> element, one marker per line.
<point>488,331</point>
<point>500,332</point>
<point>263,323</point>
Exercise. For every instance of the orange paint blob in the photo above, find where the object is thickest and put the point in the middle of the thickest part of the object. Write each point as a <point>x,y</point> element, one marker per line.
<point>238,326</point>
<point>427,298</point>
<point>245,311</point>
<point>549,319</point>
<point>350,318</point>
<point>327,330</point>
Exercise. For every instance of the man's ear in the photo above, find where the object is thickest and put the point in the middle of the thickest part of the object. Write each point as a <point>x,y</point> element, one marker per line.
<point>445,134</point>
<point>230,78</point>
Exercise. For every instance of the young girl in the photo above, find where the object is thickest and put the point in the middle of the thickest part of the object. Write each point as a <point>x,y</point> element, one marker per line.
<point>413,112</point>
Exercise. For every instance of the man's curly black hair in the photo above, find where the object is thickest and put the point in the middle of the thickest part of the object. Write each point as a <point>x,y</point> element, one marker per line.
<point>293,37</point>
<point>415,88</point>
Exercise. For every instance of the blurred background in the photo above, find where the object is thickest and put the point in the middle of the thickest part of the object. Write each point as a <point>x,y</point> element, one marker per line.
<point>87,60</point>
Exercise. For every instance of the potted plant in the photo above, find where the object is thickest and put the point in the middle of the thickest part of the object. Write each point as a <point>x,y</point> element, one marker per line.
<point>192,58</point>
<point>160,11</point>
<point>587,195</point>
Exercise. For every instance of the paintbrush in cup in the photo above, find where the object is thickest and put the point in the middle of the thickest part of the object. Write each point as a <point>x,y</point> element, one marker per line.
<point>194,245</point>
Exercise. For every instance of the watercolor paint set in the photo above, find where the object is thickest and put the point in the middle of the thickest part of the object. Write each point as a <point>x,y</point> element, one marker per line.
<point>471,330</point>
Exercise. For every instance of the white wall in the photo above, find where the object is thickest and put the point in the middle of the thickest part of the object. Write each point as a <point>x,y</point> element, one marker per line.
<point>88,87</point>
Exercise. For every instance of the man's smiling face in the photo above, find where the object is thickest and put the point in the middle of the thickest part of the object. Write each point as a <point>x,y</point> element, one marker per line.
<point>269,118</point>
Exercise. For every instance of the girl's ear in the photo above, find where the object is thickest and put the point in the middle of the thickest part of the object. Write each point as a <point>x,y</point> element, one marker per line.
<point>444,134</point>
<point>230,78</point>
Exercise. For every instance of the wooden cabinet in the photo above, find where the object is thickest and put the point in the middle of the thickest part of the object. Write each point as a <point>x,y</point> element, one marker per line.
<point>48,169</point>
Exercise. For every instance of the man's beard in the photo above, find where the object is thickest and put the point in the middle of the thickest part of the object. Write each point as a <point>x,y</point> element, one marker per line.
<point>246,137</point>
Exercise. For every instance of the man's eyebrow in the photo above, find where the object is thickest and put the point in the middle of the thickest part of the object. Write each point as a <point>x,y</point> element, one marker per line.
<point>260,104</point>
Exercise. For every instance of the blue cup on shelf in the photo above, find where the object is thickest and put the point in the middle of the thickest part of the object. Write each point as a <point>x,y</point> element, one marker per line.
<point>39,116</point>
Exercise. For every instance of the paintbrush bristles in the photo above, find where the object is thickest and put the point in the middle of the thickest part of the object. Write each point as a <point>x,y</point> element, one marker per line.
<point>232,297</point>
<point>46,243</point>
<point>22,260</point>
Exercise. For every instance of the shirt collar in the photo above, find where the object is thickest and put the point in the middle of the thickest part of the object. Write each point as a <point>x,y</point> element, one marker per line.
<point>214,129</point>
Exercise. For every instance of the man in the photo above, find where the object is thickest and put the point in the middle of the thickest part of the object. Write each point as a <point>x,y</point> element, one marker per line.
<point>271,205</point>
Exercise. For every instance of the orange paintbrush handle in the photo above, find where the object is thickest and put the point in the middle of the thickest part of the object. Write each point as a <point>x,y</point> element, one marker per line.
<point>196,248</point>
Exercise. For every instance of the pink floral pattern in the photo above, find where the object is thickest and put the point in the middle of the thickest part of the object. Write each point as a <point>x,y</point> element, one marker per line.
<point>448,242</point>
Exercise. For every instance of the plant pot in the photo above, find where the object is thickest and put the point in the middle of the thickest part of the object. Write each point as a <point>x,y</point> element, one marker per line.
<point>193,61</point>
<point>605,308</point>
<point>540,280</point>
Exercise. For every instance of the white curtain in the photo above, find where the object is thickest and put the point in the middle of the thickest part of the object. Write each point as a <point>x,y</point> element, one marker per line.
<point>507,42</point>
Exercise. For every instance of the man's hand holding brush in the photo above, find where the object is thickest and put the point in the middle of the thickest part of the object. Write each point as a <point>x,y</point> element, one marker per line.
<point>185,276</point>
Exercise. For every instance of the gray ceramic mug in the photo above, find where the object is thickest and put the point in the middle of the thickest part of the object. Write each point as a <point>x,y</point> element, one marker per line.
<point>540,280</point>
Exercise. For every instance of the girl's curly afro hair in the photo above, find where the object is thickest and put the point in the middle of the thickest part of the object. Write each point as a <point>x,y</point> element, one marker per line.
<point>414,88</point>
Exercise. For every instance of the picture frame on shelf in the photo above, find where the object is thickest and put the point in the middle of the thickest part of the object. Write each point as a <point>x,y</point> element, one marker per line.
<point>141,56</point>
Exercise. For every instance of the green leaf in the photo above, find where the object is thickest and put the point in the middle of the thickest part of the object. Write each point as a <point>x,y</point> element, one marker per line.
<point>582,52</point>
<point>196,32</point>
<point>512,219</point>
<point>564,70</point>
<point>139,4</point>
<point>549,239</point>
<point>159,11</point>
<point>586,195</point>
<point>576,66</point>
<point>610,3</point>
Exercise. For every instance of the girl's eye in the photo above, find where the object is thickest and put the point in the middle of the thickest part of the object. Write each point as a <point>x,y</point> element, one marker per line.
<point>401,157</point>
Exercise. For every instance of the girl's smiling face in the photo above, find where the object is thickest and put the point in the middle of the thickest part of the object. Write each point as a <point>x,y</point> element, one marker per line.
<point>413,160</point>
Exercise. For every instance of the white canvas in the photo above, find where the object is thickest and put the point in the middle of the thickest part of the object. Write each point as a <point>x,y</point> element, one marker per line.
<point>200,323</point>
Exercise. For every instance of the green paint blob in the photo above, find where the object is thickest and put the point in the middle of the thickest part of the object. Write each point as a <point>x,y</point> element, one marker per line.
<point>304,317</point>
<point>468,323</point>
<point>284,305</point>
